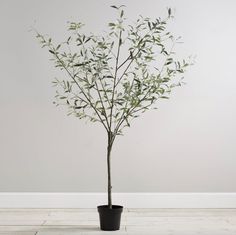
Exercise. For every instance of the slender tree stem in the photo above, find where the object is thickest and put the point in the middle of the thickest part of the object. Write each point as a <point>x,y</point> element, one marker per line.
<point>109,187</point>
<point>110,134</point>
<point>115,76</point>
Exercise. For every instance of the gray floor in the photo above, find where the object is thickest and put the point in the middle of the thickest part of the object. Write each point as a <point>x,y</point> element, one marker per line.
<point>134,221</point>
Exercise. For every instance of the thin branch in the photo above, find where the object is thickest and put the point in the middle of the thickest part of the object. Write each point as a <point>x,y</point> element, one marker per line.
<point>104,113</point>
<point>83,100</point>
<point>144,107</point>
<point>104,110</point>
<point>133,57</point>
<point>167,57</point>
<point>115,76</point>
<point>136,53</point>
<point>108,101</point>
<point>75,95</point>
<point>127,67</point>
<point>87,98</point>
<point>129,57</point>
<point>130,111</point>
<point>126,104</point>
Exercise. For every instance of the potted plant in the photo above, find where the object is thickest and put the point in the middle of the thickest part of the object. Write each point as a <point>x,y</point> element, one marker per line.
<point>101,87</point>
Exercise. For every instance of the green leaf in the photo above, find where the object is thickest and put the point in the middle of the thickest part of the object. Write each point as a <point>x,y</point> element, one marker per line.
<point>80,64</point>
<point>91,86</point>
<point>87,40</point>
<point>115,7</point>
<point>108,76</point>
<point>112,24</point>
<point>92,67</point>
<point>68,40</point>
<point>122,13</point>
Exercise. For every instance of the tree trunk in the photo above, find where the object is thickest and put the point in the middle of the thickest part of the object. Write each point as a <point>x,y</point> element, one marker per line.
<point>109,187</point>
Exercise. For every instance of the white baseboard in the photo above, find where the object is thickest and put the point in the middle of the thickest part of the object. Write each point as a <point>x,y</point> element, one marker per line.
<point>128,200</point>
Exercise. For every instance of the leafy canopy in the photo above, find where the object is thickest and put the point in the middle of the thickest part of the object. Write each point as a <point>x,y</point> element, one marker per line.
<point>101,87</point>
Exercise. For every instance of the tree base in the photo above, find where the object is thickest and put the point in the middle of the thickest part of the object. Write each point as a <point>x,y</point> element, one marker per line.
<point>110,218</point>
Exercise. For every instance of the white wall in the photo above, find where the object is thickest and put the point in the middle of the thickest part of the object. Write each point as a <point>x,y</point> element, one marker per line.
<point>187,145</point>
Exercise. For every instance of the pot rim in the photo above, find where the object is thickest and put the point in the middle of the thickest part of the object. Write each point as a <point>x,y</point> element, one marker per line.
<point>114,208</point>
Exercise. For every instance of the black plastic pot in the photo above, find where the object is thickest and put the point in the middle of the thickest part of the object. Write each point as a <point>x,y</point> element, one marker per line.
<point>110,218</point>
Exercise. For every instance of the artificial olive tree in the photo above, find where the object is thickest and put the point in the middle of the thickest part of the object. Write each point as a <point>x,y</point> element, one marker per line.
<point>102,88</point>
